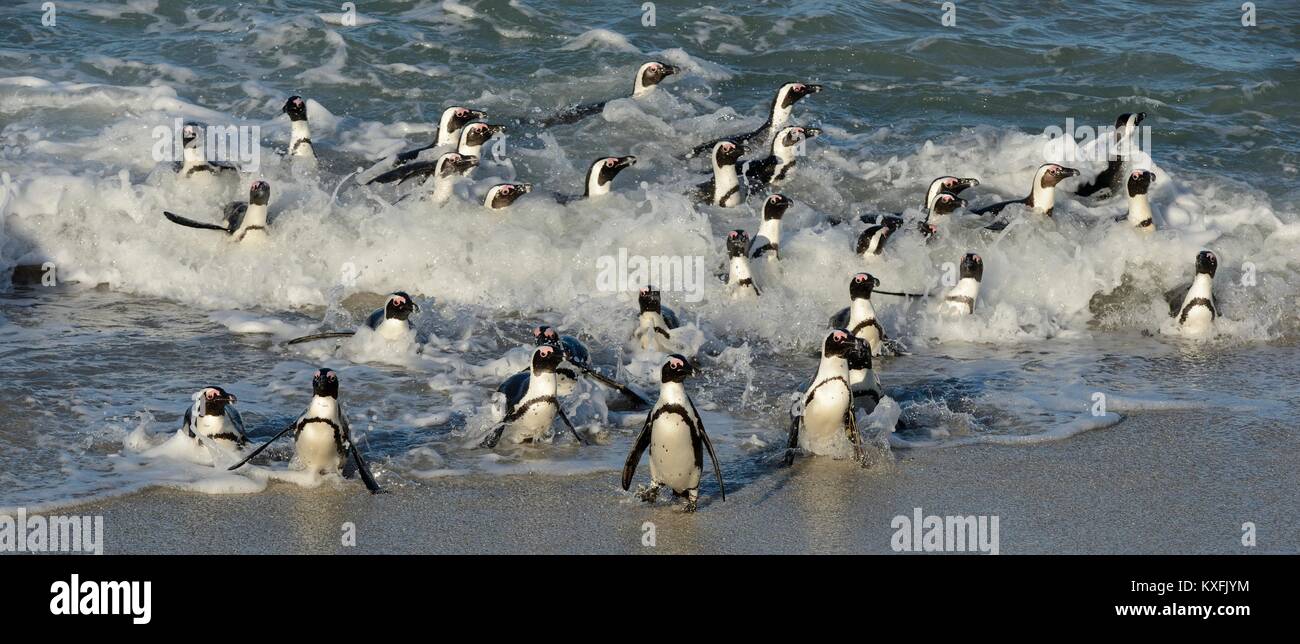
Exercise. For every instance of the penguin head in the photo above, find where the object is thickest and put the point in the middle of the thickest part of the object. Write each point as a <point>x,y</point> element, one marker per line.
<point>478,133</point>
<point>649,299</point>
<point>544,334</point>
<point>792,136</point>
<point>325,383</point>
<point>607,168</point>
<point>1126,123</point>
<point>790,93</point>
<point>1139,181</point>
<point>504,194</point>
<point>737,243</point>
<point>650,75</point>
<point>950,184</point>
<point>838,343</point>
<point>774,207</point>
<point>859,356</point>
<point>191,134</point>
<point>945,203</point>
<point>455,117</point>
<point>400,306</point>
<point>891,223</point>
<point>213,400</point>
<point>296,108</point>
<point>1206,263</point>
<point>546,358</point>
<point>453,163</point>
<point>928,229</point>
<point>861,285</point>
<point>1050,174</point>
<point>726,153</point>
<point>676,369</point>
<point>260,193</point>
<point>972,266</point>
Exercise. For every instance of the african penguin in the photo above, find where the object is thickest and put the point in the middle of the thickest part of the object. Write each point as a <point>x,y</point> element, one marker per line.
<point>776,168</point>
<point>392,321</point>
<point>768,240</point>
<point>599,177</point>
<point>1042,195</point>
<point>724,188</point>
<point>500,196</point>
<point>860,316</point>
<point>654,323</point>
<point>450,124</point>
<point>648,77</point>
<point>241,221</point>
<point>577,361</point>
<point>871,243</point>
<point>300,144</point>
<point>961,298</point>
<point>951,185</point>
<point>739,278</point>
<point>1107,183</point>
<point>321,435</point>
<point>1195,305</point>
<point>822,421</point>
<point>778,116</point>
<point>1139,206</point>
<point>194,161</point>
<point>444,172</point>
<point>474,135</point>
<point>213,415</point>
<point>531,402</point>
<point>675,436</point>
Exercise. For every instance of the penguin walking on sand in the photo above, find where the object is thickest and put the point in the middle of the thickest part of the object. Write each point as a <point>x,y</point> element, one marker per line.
<point>392,321</point>
<point>214,416</point>
<point>724,188</point>
<point>1042,194</point>
<point>531,402</point>
<point>577,362</point>
<point>242,221</point>
<point>194,161</point>
<point>503,195</point>
<point>740,281</point>
<point>1194,305</point>
<point>823,421</point>
<point>767,243</point>
<point>648,77</point>
<point>1108,182</point>
<point>773,170</point>
<point>1139,214</point>
<point>777,117</point>
<point>444,172</point>
<point>654,323</point>
<point>675,436</point>
<point>960,300</point>
<point>860,316</point>
<point>599,178</point>
<point>299,131</point>
<point>321,434</point>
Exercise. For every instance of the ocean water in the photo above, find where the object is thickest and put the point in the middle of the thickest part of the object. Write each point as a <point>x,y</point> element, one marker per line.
<point>99,367</point>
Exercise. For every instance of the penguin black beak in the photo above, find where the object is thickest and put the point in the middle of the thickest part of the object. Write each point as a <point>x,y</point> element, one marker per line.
<point>811,132</point>
<point>1140,117</point>
<point>669,70</point>
<point>465,164</point>
<point>812,89</point>
<point>969,182</point>
<point>496,129</point>
<point>477,114</point>
<point>626,161</point>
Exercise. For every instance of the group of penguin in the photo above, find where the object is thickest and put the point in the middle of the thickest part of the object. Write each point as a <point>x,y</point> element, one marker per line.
<point>823,419</point>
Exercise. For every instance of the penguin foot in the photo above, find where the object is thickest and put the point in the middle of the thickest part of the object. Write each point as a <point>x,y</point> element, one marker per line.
<point>648,494</point>
<point>692,500</point>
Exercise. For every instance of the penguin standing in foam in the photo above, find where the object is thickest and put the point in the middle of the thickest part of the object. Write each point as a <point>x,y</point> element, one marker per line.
<point>450,124</point>
<point>444,172</point>
<point>194,161</point>
<point>213,415</point>
<point>321,435</point>
<point>392,321</point>
<point>724,188</point>
<point>1139,206</point>
<point>242,221</point>
<point>767,243</point>
<point>871,243</point>
<point>739,278</point>
<point>531,402</point>
<point>860,316</point>
<point>1194,305</point>
<point>776,168</point>
<point>960,300</point>
<point>648,77</point>
<point>654,323</point>
<point>863,380</point>
<point>502,195</point>
<point>675,436</point>
<point>1042,195</point>
<point>577,361</point>
<point>1108,182</point>
<point>299,132</point>
<point>778,116</point>
<point>600,176</point>
<point>822,421</point>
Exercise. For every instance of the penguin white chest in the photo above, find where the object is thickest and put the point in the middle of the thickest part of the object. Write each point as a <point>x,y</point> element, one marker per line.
<point>672,453</point>
<point>1198,321</point>
<point>823,420</point>
<point>392,329</point>
<point>213,425</point>
<point>317,449</point>
<point>532,424</point>
<point>566,379</point>
<point>254,236</point>
<point>652,333</point>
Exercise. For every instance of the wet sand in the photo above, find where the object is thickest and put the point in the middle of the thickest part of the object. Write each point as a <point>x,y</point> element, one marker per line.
<point>1156,483</point>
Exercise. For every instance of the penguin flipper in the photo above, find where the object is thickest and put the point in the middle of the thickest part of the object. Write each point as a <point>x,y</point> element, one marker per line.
<point>840,320</point>
<point>1105,180</point>
<point>187,421</point>
<point>190,223</point>
<point>265,445</point>
<point>708,444</point>
<point>669,317</point>
<point>322,336</point>
<point>621,388</point>
<point>573,114</point>
<point>493,437</point>
<point>233,215</point>
<point>573,430</point>
<point>998,225</point>
<point>235,419</point>
<point>401,174</point>
<point>407,156</point>
<point>793,443</point>
<point>996,208</point>
<point>855,438</point>
<point>1175,297</point>
<point>638,448</point>
<point>362,470</point>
